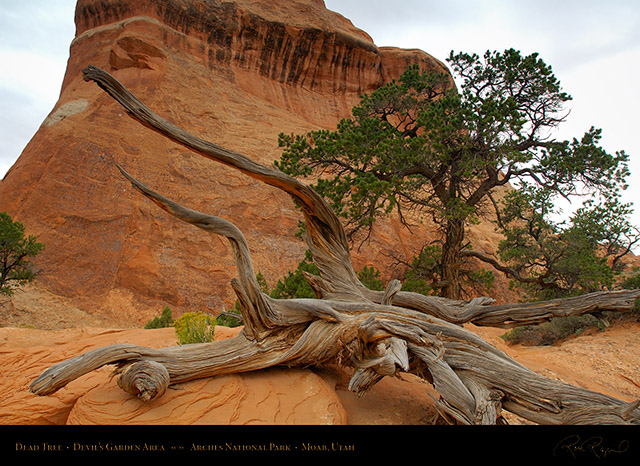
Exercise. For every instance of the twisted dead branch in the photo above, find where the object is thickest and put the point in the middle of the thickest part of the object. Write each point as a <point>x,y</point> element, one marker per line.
<point>378,334</point>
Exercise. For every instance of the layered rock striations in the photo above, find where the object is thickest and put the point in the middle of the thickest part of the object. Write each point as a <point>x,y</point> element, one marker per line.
<point>236,73</point>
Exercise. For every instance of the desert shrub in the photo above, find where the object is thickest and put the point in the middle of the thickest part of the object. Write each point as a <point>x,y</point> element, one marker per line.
<point>551,332</point>
<point>163,321</point>
<point>370,277</point>
<point>632,282</point>
<point>559,329</point>
<point>294,284</point>
<point>229,319</point>
<point>194,327</point>
<point>417,285</point>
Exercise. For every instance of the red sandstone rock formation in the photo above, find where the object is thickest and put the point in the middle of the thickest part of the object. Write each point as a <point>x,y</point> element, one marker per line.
<point>235,73</point>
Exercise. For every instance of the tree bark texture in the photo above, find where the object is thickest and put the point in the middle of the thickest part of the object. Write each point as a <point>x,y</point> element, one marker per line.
<point>374,333</point>
<point>451,258</point>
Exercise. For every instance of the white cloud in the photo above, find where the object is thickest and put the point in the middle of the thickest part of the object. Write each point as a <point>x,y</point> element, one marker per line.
<point>25,70</point>
<point>35,36</point>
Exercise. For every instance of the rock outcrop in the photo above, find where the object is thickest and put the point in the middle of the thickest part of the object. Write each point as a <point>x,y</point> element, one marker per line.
<point>235,73</point>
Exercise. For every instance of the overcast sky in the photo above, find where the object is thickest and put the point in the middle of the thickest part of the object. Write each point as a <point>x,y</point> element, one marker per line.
<point>592,45</point>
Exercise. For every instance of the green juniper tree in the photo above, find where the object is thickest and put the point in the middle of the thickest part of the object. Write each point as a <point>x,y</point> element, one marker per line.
<point>550,259</point>
<point>15,251</point>
<point>419,145</point>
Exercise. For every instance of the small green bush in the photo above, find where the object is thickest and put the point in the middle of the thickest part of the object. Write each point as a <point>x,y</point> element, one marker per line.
<point>557,329</point>
<point>370,277</point>
<point>294,285</point>
<point>632,282</point>
<point>165,320</point>
<point>194,327</point>
<point>417,285</point>
<point>229,319</point>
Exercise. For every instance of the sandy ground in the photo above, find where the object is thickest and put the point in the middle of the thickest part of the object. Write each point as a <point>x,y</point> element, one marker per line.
<point>606,361</point>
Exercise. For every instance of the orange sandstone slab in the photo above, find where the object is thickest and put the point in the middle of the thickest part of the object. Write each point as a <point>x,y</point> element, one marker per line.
<point>275,396</point>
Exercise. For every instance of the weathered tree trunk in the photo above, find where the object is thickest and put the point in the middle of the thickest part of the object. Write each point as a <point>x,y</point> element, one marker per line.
<point>377,334</point>
<point>451,258</point>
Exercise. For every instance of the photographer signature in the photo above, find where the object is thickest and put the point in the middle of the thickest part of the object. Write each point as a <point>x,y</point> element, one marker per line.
<point>574,445</point>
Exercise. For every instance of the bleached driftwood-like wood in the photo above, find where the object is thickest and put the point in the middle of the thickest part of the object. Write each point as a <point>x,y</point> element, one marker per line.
<point>377,334</point>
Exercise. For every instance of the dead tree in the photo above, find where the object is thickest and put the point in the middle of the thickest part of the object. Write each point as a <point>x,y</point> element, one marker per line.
<point>376,334</point>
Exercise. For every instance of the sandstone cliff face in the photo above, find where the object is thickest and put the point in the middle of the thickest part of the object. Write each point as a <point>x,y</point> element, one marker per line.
<point>235,73</point>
